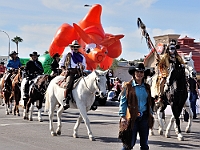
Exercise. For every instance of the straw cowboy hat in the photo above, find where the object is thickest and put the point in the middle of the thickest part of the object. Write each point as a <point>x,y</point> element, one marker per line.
<point>13,53</point>
<point>137,67</point>
<point>74,44</point>
<point>34,54</point>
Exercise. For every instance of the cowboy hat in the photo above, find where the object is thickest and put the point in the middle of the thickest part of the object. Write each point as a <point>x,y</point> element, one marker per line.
<point>74,44</point>
<point>34,54</point>
<point>12,53</point>
<point>137,67</point>
<point>56,55</point>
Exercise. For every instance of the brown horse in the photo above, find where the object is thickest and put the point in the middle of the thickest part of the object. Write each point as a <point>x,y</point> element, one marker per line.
<point>6,92</point>
<point>16,92</point>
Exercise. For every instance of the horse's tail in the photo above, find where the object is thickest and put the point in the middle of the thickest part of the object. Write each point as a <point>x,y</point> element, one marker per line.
<point>46,108</point>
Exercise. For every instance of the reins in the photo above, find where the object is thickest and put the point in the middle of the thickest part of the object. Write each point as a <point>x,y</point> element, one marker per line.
<point>86,83</point>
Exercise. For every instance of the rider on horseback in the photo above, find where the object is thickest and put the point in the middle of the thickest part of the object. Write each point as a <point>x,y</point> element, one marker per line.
<point>170,57</point>
<point>13,64</point>
<point>72,62</point>
<point>33,68</point>
<point>55,65</point>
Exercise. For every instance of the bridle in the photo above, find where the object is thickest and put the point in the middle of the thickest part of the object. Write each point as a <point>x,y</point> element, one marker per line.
<point>96,80</point>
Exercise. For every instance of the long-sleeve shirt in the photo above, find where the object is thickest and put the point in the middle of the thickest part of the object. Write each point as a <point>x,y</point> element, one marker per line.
<point>73,65</point>
<point>141,97</point>
<point>14,64</point>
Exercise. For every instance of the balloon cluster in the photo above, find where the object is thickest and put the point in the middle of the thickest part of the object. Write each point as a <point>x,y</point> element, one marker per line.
<point>98,47</point>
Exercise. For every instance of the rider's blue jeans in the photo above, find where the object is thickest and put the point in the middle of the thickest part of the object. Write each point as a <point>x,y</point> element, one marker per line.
<point>193,100</point>
<point>140,126</point>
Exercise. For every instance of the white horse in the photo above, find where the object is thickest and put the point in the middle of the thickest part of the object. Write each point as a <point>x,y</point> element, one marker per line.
<point>189,68</point>
<point>84,96</point>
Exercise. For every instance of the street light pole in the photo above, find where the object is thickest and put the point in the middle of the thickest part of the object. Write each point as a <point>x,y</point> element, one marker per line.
<point>8,41</point>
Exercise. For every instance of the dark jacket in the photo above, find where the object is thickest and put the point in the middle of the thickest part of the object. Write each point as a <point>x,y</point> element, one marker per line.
<point>54,66</point>
<point>32,68</point>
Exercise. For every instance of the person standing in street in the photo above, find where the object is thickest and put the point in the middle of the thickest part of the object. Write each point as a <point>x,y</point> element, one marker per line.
<point>194,93</point>
<point>135,109</point>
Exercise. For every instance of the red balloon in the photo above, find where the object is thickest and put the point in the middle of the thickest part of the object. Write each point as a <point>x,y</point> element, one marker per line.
<point>107,63</point>
<point>65,35</point>
<point>55,49</point>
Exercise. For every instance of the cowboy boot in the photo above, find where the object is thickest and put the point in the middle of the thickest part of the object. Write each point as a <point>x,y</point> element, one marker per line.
<point>66,99</point>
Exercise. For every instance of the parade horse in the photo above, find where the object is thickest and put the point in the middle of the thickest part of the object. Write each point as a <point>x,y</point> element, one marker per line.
<point>16,90</point>
<point>159,109</point>
<point>83,95</point>
<point>37,91</point>
<point>6,92</point>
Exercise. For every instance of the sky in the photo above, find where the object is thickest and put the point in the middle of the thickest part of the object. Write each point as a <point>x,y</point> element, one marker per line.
<point>36,22</point>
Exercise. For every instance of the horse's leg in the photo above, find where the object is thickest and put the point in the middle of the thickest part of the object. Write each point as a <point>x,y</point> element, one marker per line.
<point>168,129</point>
<point>79,120</point>
<point>10,103</point>
<point>31,111</point>
<point>180,136</point>
<point>59,124</point>
<point>188,109</point>
<point>160,121</point>
<point>17,102</point>
<point>6,103</point>
<point>83,113</point>
<point>25,115</point>
<point>52,107</point>
<point>40,111</point>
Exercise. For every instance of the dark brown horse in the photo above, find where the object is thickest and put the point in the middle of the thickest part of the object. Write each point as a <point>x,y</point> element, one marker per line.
<point>16,90</point>
<point>37,92</point>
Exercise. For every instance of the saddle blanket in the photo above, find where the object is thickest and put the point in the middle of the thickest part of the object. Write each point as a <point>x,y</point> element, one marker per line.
<point>63,84</point>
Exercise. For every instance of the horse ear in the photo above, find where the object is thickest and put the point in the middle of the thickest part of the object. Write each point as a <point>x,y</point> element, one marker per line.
<point>190,54</point>
<point>96,72</point>
<point>105,72</point>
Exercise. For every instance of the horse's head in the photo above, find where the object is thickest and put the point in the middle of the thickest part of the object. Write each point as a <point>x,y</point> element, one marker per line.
<point>189,64</point>
<point>42,83</point>
<point>100,79</point>
<point>176,77</point>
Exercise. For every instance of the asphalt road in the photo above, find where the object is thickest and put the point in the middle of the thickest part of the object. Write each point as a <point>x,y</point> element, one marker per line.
<point>19,134</point>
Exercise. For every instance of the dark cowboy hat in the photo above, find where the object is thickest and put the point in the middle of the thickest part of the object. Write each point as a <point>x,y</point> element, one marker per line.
<point>137,67</point>
<point>34,54</point>
<point>74,44</point>
<point>12,53</point>
<point>172,44</point>
<point>2,63</point>
<point>56,55</point>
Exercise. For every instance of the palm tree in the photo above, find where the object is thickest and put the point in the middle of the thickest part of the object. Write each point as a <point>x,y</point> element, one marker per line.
<point>17,39</point>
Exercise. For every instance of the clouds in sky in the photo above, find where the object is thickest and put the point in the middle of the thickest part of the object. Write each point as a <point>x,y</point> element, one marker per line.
<point>36,22</point>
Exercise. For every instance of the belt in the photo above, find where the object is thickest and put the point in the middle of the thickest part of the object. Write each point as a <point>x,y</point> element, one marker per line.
<point>140,114</point>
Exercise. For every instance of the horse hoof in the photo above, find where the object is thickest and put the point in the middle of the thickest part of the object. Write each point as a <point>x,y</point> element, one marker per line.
<point>40,120</point>
<point>14,114</point>
<point>30,119</point>
<point>75,136</point>
<point>167,136</point>
<point>58,132</point>
<point>7,113</point>
<point>187,131</point>
<point>53,134</point>
<point>180,138</point>
<point>151,133</point>
<point>160,132</point>
<point>18,114</point>
<point>92,138</point>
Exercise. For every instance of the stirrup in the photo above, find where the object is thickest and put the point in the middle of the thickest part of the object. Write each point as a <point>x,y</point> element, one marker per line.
<point>66,103</point>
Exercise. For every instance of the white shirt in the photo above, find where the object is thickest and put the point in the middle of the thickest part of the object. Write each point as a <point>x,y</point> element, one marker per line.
<point>73,65</point>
